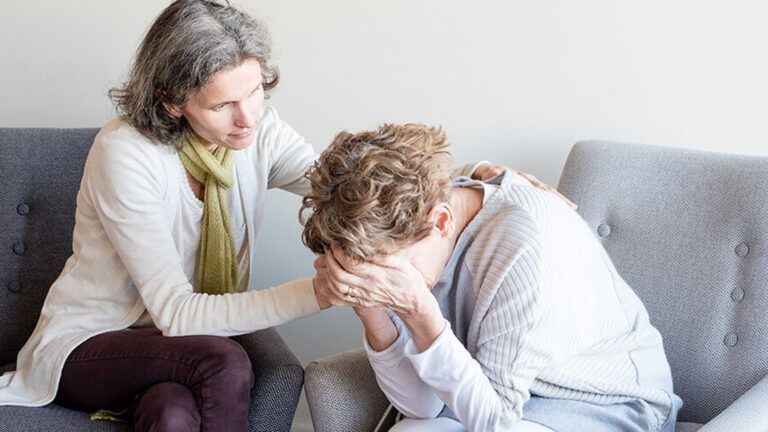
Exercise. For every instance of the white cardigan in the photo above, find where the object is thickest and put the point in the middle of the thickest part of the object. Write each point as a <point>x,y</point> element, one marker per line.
<point>127,253</point>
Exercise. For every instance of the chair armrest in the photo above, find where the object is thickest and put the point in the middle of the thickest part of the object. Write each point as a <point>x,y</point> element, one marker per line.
<point>278,377</point>
<point>342,393</point>
<point>745,414</point>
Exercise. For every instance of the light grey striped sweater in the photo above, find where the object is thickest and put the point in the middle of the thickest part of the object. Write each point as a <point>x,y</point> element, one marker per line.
<point>532,295</point>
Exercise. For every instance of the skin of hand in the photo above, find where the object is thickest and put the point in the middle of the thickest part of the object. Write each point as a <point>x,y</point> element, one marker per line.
<point>393,283</point>
<point>486,171</point>
<point>380,331</point>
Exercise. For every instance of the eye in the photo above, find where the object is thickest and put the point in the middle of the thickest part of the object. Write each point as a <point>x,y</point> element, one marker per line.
<point>257,89</point>
<point>220,107</point>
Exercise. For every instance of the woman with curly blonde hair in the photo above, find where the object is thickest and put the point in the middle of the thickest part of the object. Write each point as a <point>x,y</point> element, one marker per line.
<point>487,306</point>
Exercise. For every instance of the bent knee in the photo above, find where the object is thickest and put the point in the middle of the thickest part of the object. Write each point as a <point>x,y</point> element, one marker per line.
<point>227,360</point>
<point>167,406</point>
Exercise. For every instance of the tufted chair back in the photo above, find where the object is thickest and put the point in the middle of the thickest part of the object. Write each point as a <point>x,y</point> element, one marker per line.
<point>689,231</point>
<point>40,172</point>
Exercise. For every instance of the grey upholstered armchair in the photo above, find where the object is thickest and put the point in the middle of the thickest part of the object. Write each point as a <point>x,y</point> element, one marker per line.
<point>40,172</point>
<point>689,231</point>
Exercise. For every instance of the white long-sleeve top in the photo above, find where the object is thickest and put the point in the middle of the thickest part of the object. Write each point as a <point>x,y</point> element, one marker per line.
<point>533,306</point>
<point>132,252</point>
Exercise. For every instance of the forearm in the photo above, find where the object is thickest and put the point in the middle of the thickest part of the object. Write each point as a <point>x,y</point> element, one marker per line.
<point>458,380</point>
<point>380,331</point>
<point>230,314</point>
<point>398,379</point>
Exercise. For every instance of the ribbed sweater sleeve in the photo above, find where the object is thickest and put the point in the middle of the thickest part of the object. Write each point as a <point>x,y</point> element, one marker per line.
<point>487,392</point>
<point>398,379</point>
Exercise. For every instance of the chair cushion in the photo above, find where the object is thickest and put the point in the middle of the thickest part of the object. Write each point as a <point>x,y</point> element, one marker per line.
<point>40,172</point>
<point>53,417</point>
<point>687,427</point>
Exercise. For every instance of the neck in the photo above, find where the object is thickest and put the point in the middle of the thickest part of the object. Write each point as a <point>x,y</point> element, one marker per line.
<point>466,203</point>
<point>211,147</point>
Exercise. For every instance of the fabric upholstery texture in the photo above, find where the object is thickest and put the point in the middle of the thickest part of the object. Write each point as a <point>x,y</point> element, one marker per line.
<point>40,171</point>
<point>687,229</point>
<point>343,394</point>
<point>687,427</point>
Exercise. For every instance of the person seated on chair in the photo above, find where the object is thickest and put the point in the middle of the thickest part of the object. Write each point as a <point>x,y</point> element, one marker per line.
<point>486,306</point>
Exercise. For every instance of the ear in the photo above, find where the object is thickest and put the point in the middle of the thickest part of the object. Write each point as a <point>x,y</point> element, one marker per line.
<point>172,109</point>
<point>441,215</point>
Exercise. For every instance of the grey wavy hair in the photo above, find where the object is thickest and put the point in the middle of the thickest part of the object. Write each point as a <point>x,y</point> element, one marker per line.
<point>189,42</point>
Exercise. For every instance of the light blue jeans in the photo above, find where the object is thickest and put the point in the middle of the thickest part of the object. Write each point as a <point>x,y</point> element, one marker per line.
<point>563,415</point>
<point>445,424</point>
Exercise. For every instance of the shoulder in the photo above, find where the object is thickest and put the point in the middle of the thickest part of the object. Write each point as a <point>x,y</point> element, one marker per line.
<point>120,153</point>
<point>503,231</point>
<point>505,260</point>
<point>119,140</point>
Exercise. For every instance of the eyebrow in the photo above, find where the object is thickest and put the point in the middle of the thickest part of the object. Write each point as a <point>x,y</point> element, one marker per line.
<point>215,104</point>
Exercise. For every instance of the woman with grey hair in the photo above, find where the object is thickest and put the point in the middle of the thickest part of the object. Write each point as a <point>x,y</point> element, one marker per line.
<point>167,214</point>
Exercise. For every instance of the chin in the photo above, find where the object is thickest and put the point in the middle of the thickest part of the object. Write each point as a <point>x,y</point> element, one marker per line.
<point>238,144</point>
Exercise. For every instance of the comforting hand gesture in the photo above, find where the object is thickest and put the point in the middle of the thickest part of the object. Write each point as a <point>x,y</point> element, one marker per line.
<point>390,282</point>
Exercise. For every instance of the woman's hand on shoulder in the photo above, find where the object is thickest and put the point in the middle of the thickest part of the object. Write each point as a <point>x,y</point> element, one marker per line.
<point>488,170</point>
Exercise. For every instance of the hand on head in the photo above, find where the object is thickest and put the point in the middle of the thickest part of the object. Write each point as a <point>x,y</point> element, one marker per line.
<point>388,283</point>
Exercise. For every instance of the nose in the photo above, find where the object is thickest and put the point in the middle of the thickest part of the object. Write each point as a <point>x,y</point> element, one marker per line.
<point>244,117</point>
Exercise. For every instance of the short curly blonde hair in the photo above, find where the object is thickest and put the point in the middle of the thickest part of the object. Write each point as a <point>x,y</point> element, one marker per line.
<point>372,191</point>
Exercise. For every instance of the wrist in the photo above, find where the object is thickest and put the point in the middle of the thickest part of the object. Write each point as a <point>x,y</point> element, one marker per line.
<point>423,307</point>
<point>372,318</point>
<point>380,331</point>
<point>322,301</point>
<point>426,324</point>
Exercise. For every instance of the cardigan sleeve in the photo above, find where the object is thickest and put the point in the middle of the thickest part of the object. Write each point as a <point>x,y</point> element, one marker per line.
<point>290,156</point>
<point>125,181</point>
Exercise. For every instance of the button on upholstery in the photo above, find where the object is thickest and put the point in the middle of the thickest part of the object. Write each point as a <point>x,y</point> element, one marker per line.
<point>19,248</point>
<point>730,339</point>
<point>23,209</point>
<point>14,286</point>
<point>737,295</point>
<point>742,250</point>
<point>603,230</point>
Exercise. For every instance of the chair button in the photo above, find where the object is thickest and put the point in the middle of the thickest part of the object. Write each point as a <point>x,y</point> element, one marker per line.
<point>730,340</point>
<point>737,295</point>
<point>19,248</point>
<point>742,250</point>
<point>14,286</point>
<point>603,230</point>
<point>23,209</point>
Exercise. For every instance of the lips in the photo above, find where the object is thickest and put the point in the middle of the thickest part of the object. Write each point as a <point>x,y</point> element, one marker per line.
<point>242,135</point>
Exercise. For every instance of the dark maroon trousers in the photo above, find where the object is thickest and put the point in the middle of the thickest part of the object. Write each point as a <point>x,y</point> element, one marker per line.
<point>187,383</point>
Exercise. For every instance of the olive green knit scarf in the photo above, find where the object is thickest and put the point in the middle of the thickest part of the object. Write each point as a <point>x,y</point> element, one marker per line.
<point>217,260</point>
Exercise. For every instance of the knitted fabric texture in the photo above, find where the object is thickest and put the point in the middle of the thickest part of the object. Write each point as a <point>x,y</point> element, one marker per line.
<point>217,261</point>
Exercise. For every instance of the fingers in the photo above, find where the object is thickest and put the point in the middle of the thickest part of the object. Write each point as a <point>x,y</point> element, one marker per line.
<point>493,172</point>
<point>486,171</point>
<point>320,262</point>
<point>389,261</point>
<point>541,185</point>
<point>345,284</point>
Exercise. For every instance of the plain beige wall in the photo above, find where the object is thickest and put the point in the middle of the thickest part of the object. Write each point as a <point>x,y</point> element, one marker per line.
<point>517,82</point>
